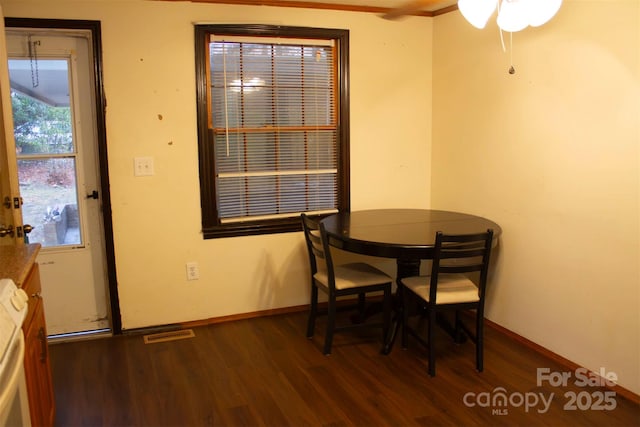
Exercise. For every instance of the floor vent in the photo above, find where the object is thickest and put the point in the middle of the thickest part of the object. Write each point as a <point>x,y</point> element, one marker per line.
<point>169,336</point>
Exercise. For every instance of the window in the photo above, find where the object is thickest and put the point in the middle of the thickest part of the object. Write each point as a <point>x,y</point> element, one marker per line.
<point>273,126</point>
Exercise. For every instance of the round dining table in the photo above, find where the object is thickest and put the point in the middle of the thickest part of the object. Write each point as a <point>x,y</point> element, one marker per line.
<point>406,235</point>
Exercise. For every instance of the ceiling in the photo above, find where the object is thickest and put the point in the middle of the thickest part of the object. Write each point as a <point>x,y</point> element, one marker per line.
<point>396,7</point>
<point>423,5</point>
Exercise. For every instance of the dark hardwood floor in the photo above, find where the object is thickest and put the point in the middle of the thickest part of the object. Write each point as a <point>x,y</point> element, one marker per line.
<point>264,372</point>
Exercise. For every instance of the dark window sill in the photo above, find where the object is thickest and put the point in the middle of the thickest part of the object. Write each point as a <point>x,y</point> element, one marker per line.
<point>252,228</point>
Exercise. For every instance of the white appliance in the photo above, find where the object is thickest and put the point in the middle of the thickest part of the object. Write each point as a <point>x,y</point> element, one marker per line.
<point>14,406</point>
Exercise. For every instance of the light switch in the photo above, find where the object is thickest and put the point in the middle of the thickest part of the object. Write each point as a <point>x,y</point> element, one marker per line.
<point>143,166</point>
<point>193,272</point>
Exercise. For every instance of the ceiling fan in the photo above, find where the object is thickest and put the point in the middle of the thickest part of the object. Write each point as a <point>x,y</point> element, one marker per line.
<point>513,15</point>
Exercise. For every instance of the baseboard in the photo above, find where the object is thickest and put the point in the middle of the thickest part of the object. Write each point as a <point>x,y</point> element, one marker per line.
<point>271,312</point>
<point>231,318</point>
<point>243,316</point>
<point>619,390</point>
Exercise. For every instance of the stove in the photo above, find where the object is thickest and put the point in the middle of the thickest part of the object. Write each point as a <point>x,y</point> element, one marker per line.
<point>14,407</point>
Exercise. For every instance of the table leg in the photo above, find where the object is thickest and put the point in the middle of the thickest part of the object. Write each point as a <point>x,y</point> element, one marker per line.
<point>406,268</point>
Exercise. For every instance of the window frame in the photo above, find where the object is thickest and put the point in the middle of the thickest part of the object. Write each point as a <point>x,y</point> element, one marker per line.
<point>211,224</point>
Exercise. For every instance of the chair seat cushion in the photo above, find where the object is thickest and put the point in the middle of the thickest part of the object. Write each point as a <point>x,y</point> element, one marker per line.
<point>354,275</point>
<point>452,288</point>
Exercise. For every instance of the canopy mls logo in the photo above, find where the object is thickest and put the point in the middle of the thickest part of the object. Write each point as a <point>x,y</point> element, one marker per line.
<point>499,400</point>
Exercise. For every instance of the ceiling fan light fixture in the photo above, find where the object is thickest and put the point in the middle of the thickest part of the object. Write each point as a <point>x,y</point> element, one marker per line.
<point>477,12</point>
<point>513,15</point>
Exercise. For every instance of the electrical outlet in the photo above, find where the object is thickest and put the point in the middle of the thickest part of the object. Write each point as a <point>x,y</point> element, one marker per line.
<point>143,166</point>
<point>193,272</point>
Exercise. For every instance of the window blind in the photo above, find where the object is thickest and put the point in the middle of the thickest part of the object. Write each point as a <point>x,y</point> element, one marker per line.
<point>273,117</point>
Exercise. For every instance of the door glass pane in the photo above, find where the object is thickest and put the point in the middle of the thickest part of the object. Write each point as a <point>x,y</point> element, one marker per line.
<point>42,115</point>
<point>40,101</point>
<point>48,188</point>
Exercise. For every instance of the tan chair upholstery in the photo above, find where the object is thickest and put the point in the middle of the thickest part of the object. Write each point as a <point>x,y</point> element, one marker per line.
<point>455,288</point>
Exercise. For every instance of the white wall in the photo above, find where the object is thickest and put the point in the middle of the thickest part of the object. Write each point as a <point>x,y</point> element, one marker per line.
<point>550,153</point>
<point>149,71</point>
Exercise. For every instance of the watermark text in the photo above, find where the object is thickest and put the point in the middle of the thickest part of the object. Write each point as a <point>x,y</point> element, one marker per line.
<point>499,400</point>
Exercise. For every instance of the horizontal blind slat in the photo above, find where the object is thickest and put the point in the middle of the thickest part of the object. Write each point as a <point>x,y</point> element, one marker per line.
<point>278,173</point>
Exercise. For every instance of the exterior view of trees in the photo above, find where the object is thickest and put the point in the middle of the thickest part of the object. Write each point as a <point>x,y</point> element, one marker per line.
<point>40,128</point>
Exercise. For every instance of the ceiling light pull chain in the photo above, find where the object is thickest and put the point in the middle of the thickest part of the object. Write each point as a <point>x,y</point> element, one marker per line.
<point>512,70</point>
<point>33,59</point>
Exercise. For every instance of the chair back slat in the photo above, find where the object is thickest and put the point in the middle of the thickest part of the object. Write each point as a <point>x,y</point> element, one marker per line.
<point>467,268</point>
<point>316,244</point>
<point>477,251</point>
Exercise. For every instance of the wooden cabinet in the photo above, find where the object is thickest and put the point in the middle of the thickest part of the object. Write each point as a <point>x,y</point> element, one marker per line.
<point>36,359</point>
<point>18,263</point>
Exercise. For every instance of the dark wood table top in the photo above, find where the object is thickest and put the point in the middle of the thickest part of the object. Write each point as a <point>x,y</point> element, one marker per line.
<point>399,233</point>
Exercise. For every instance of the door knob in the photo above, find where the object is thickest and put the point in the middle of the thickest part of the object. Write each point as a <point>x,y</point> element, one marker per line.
<point>27,228</point>
<point>93,195</point>
<point>8,230</point>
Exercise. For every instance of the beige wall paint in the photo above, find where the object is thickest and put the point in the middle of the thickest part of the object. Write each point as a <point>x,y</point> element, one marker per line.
<point>556,147</point>
<point>551,154</point>
<point>149,71</point>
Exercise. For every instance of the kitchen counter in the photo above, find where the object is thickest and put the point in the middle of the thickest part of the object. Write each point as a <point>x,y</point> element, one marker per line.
<point>16,261</point>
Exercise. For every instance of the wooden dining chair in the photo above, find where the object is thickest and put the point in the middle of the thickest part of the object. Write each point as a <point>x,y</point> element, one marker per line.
<point>450,288</point>
<point>341,280</point>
